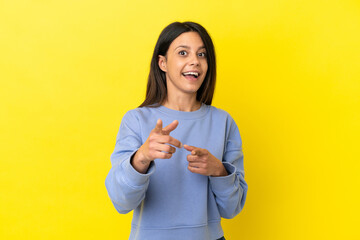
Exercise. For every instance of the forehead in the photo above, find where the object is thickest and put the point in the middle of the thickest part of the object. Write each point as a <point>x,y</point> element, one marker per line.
<point>190,39</point>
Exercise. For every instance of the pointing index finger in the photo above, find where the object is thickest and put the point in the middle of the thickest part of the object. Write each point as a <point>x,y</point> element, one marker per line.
<point>171,127</point>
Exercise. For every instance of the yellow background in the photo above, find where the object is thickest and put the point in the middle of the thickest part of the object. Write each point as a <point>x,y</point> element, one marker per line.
<point>288,72</point>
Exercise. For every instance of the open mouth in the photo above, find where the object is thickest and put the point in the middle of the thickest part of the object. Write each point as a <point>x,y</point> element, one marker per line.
<point>191,75</point>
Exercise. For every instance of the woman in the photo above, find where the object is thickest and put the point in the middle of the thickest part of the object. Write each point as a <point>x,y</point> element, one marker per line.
<point>182,178</point>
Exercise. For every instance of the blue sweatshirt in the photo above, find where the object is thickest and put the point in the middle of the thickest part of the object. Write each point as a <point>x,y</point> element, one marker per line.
<point>169,201</point>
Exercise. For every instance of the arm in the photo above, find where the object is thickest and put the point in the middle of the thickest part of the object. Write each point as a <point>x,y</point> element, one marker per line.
<point>230,191</point>
<point>227,176</point>
<point>126,186</point>
<point>133,163</point>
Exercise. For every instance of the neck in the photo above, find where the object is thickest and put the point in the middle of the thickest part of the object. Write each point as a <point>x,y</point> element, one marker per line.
<point>185,104</point>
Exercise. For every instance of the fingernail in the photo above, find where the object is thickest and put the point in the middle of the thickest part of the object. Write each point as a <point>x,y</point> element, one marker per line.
<point>181,145</point>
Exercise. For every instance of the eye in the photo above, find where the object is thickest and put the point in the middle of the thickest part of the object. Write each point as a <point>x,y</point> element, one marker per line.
<point>183,53</point>
<point>203,54</point>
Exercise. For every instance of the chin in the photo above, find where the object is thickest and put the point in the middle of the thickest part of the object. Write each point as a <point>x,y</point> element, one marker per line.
<point>191,91</point>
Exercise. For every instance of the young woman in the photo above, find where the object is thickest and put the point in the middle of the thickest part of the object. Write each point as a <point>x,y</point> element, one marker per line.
<point>178,161</point>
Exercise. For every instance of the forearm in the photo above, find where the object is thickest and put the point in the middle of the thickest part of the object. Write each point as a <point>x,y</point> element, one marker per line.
<point>126,187</point>
<point>230,192</point>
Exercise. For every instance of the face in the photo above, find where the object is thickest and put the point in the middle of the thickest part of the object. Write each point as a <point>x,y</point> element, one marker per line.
<point>185,64</point>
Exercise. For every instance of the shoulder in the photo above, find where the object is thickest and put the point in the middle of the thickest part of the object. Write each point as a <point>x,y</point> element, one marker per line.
<point>223,116</point>
<point>140,115</point>
<point>137,112</point>
<point>218,112</point>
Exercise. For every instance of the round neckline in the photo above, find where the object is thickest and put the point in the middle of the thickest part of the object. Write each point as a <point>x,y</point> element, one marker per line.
<point>185,115</point>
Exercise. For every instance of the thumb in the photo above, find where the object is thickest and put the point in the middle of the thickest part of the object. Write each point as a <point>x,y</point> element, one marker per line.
<point>191,149</point>
<point>158,126</point>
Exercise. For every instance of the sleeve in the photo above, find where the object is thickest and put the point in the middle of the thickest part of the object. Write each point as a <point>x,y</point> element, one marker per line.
<point>230,191</point>
<point>125,186</point>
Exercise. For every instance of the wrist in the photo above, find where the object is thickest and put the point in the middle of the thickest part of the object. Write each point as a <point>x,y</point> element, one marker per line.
<point>139,162</point>
<point>221,171</point>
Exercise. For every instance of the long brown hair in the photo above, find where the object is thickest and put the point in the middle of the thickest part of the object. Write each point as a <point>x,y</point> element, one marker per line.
<point>156,91</point>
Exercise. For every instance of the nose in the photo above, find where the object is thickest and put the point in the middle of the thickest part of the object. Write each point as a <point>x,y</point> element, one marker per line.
<point>194,60</point>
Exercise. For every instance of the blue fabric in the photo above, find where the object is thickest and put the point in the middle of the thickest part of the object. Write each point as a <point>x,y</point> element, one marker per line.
<point>169,201</point>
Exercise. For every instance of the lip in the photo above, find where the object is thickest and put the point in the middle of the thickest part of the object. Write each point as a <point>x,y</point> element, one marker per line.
<point>191,80</point>
<point>192,71</point>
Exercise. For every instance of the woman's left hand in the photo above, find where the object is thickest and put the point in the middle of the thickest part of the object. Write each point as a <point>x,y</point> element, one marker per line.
<point>201,161</point>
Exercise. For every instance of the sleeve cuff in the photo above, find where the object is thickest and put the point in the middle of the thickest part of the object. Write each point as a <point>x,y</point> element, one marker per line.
<point>132,177</point>
<point>222,184</point>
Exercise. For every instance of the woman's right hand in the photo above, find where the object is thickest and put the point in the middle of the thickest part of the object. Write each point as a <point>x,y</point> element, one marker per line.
<point>158,145</point>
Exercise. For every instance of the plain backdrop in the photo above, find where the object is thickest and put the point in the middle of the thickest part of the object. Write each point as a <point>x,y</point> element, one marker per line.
<point>288,73</point>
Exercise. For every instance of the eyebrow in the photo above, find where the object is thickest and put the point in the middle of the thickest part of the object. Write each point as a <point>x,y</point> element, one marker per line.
<point>184,46</point>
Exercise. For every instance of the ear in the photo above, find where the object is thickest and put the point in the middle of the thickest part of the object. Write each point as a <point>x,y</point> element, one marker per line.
<point>162,63</point>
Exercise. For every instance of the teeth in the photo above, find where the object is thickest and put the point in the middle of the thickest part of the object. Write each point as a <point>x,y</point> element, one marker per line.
<point>191,73</point>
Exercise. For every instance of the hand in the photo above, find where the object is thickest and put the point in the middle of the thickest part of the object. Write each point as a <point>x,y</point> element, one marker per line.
<point>156,146</point>
<point>201,161</point>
